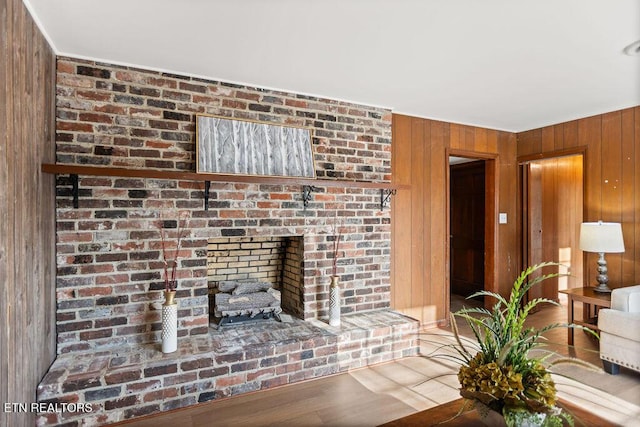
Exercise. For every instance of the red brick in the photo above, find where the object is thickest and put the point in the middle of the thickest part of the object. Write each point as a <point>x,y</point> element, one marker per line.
<point>125,376</point>
<point>201,99</point>
<point>232,103</point>
<point>101,290</point>
<point>231,380</point>
<point>65,67</point>
<point>193,87</point>
<point>163,124</point>
<point>180,379</point>
<point>72,81</point>
<point>74,126</point>
<point>269,372</point>
<point>247,95</point>
<point>93,95</point>
<point>94,117</point>
<point>215,372</point>
<point>96,268</point>
<point>126,76</point>
<point>158,144</point>
<point>170,368</point>
<point>94,335</point>
<point>288,368</point>
<point>48,419</point>
<point>280,196</point>
<point>161,394</point>
<point>111,109</point>
<point>162,82</point>
<point>274,382</point>
<point>324,351</point>
<point>268,205</point>
<point>142,386</point>
<point>177,96</point>
<point>204,362</point>
<point>121,403</point>
<point>233,214</point>
<point>195,322</point>
<point>296,103</point>
<point>144,112</point>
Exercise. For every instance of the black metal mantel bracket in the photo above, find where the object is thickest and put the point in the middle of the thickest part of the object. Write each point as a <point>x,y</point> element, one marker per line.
<point>306,194</point>
<point>74,189</point>
<point>385,196</point>
<point>207,187</point>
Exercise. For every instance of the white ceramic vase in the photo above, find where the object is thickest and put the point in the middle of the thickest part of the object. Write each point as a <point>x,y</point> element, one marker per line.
<point>169,323</point>
<point>334,302</point>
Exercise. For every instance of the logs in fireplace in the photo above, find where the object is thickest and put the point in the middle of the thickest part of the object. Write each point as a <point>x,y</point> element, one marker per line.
<point>238,301</point>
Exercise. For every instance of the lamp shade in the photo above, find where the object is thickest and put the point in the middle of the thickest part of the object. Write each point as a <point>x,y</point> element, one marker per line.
<point>605,237</point>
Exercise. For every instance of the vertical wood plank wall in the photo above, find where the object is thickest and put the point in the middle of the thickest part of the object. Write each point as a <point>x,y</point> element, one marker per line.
<point>27,229</point>
<point>611,177</point>
<point>419,216</point>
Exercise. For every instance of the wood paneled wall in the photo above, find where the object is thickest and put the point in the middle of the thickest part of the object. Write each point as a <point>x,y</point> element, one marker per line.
<point>611,179</point>
<point>420,267</point>
<point>27,229</point>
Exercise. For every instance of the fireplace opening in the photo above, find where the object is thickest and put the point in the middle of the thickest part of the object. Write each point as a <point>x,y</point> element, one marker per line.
<point>253,278</point>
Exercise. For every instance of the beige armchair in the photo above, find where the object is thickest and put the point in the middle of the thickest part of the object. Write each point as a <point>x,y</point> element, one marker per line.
<point>620,330</point>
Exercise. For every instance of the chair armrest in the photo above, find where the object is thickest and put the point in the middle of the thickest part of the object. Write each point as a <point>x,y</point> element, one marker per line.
<point>620,323</point>
<point>626,299</point>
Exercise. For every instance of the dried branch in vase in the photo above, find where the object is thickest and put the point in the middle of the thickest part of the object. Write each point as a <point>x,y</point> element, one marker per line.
<point>336,232</point>
<point>170,271</point>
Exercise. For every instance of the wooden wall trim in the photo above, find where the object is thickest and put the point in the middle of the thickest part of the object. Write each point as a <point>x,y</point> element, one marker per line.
<point>27,209</point>
<point>492,187</point>
<point>553,154</point>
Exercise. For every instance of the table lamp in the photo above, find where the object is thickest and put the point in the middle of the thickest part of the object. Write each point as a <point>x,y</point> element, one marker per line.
<point>601,237</point>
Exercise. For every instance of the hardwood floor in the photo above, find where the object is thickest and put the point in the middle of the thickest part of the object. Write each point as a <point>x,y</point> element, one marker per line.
<point>382,393</point>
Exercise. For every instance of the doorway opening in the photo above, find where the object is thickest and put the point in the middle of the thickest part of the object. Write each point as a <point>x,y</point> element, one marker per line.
<point>466,230</point>
<point>552,211</point>
<point>472,206</point>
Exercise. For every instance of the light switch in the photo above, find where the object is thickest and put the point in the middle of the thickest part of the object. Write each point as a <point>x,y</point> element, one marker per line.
<point>502,218</point>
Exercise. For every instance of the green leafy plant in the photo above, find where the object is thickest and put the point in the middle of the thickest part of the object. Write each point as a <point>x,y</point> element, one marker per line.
<point>498,371</point>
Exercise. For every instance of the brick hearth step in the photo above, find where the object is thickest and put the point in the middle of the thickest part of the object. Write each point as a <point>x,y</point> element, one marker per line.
<point>123,383</point>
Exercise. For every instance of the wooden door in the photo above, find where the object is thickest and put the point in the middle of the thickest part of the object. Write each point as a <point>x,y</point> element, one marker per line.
<point>467,227</point>
<point>554,213</point>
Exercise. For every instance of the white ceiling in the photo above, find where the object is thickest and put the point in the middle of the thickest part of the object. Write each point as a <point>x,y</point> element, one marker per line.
<point>504,64</point>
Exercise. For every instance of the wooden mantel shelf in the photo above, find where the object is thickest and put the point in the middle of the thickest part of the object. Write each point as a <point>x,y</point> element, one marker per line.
<point>386,189</point>
<point>192,176</point>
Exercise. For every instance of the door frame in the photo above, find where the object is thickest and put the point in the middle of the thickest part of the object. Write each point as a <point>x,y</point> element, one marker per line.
<point>523,195</point>
<point>491,185</point>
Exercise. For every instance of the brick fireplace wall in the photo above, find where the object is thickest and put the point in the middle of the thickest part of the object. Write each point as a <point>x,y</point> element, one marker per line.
<point>109,275</point>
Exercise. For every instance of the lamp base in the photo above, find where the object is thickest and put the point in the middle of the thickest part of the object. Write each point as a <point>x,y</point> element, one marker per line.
<point>602,289</point>
<point>602,277</point>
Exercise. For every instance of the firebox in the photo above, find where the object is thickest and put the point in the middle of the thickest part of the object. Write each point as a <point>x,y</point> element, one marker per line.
<point>247,274</point>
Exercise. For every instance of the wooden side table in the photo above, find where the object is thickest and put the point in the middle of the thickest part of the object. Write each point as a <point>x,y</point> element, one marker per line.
<point>588,297</point>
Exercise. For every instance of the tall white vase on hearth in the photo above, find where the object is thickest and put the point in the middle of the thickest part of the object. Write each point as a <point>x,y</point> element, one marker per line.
<point>169,323</point>
<point>334,302</point>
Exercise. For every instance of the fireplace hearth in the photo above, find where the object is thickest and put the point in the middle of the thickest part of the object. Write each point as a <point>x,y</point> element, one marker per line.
<point>129,382</point>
